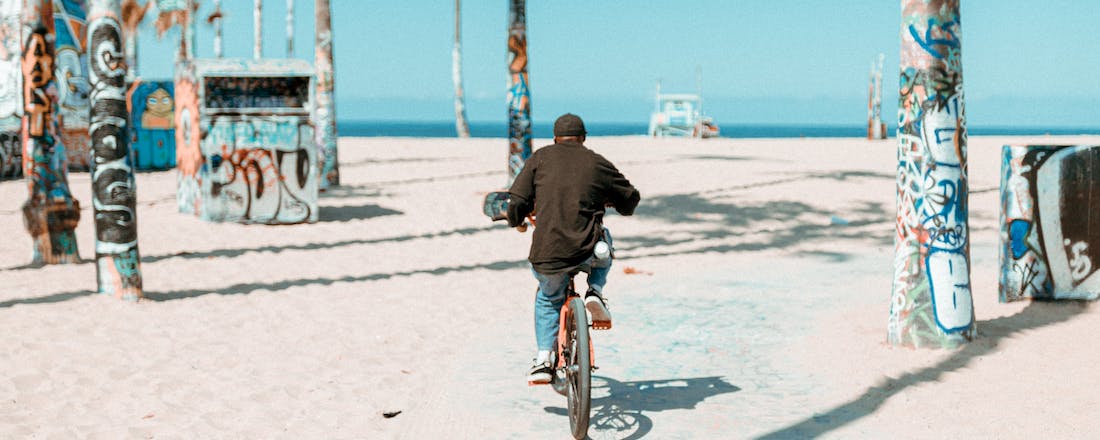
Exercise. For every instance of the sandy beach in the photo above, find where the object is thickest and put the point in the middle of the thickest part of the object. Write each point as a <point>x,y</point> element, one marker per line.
<point>750,296</point>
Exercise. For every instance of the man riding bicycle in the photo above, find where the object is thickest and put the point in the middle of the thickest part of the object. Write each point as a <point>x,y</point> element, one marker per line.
<point>568,186</point>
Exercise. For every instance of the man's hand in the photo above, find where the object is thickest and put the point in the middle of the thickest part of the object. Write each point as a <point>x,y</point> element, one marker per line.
<point>522,227</point>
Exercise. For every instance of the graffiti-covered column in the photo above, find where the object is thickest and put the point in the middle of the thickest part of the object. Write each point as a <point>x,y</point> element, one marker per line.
<point>216,19</point>
<point>258,29</point>
<point>113,189</point>
<point>290,28</point>
<point>11,97</point>
<point>326,85</point>
<point>931,303</point>
<point>519,94</point>
<point>50,213</point>
<point>876,128</point>
<point>461,126</point>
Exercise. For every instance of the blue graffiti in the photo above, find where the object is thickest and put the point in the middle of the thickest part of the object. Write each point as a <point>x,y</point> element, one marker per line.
<point>929,43</point>
<point>1017,237</point>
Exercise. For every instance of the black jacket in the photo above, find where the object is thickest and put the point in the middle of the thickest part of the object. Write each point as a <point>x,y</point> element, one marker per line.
<point>567,186</point>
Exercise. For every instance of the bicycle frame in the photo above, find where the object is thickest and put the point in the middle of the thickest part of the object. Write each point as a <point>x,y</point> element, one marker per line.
<point>566,313</point>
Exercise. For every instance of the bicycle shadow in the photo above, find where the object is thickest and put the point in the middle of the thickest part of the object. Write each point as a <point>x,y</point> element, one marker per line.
<point>620,407</point>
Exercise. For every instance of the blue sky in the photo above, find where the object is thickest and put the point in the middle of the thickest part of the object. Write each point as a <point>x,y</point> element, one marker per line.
<point>1025,63</point>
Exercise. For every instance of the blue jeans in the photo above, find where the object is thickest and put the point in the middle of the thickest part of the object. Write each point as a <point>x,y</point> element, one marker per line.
<point>551,296</point>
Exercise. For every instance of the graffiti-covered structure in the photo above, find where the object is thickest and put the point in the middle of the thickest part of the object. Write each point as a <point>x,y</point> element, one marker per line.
<point>152,124</point>
<point>244,141</point>
<point>73,88</point>
<point>931,303</point>
<point>1050,242</point>
<point>11,90</point>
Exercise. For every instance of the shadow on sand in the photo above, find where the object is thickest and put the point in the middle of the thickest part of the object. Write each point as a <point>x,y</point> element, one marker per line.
<point>991,332</point>
<point>620,406</point>
<point>349,213</point>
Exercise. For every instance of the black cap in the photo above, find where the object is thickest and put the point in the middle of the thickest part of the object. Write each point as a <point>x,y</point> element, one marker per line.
<point>569,125</point>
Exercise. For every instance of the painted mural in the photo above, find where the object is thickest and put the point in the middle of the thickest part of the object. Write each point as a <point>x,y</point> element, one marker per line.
<point>153,124</point>
<point>1050,244</point>
<point>11,89</point>
<point>258,161</point>
<point>50,213</point>
<point>519,94</point>
<point>114,195</point>
<point>73,87</point>
<point>931,302</point>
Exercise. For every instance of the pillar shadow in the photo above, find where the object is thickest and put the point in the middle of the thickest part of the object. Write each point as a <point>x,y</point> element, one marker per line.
<point>248,288</point>
<point>622,406</point>
<point>991,332</point>
<point>350,213</point>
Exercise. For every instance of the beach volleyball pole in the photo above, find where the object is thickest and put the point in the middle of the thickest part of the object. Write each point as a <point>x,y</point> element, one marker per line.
<point>461,126</point>
<point>325,131</point>
<point>519,92</point>
<point>931,304</point>
<point>114,192</point>
<point>50,213</point>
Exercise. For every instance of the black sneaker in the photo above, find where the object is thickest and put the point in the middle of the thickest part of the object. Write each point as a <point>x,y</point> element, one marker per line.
<point>597,310</point>
<point>540,373</point>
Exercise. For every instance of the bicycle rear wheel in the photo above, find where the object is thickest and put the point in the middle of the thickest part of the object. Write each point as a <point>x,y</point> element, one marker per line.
<point>578,370</point>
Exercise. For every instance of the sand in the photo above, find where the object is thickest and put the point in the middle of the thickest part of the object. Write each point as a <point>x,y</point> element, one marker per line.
<point>758,307</point>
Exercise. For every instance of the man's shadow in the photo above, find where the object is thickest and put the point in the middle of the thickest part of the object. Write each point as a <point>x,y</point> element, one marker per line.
<point>621,406</point>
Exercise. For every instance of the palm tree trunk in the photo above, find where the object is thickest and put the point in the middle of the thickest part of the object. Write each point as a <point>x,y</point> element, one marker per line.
<point>114,195</point>
<point>461,126</point>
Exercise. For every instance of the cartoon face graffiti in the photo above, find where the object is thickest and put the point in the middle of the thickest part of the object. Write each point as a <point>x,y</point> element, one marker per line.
<point>159,113</point>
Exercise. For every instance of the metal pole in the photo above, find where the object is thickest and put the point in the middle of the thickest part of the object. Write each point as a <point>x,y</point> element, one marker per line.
<point>461,126</point>
<point>931,302</point>
<point>50,213</point>
<point>519,93</point>
<point>290,28</point>
<point>258,30</point>
<point>114,197</point>
<point>326,84</point>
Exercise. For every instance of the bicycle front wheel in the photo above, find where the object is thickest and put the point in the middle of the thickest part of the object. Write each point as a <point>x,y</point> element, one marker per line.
<point>579,370</point>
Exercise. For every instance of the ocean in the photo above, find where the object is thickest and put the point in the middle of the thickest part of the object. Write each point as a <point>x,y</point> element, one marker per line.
<point>544,130</point>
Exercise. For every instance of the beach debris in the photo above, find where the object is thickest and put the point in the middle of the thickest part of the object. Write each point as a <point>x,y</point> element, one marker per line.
<point>629,270</point>
<point>148,416</point>
<point>838,221</point>
<point>391,414</point>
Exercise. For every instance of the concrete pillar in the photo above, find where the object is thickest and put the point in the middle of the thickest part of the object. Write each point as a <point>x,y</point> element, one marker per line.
<point>290,28</point>
<point>258,29</point>
<point>114,196</point>
<point>326,86</point>
<point>461,126</point>
<point>876,128</point>
<point>931,303</point>
<point>218,47</point>
<point>50,213</point>
<point>1050,241</point>
<point>519,92</point>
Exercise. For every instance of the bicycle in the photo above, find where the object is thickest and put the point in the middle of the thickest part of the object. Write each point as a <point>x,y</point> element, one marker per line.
<point>574,357</point>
